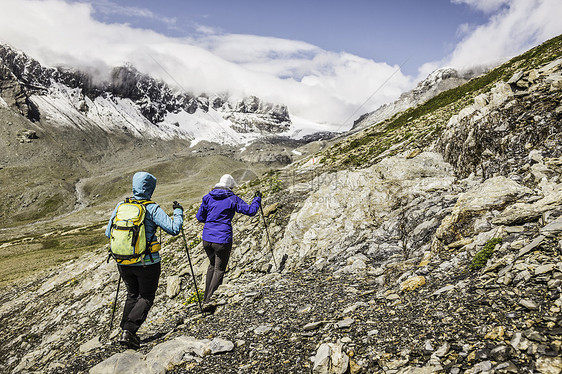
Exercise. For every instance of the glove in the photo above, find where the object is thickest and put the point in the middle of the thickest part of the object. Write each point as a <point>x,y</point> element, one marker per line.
<point>258,194</point>
<point>177,205</point>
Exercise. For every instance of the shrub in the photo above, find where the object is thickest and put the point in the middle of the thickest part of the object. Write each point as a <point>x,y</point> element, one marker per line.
<point>193,298</point>
<point>275,183</point>
<point>485,253</point>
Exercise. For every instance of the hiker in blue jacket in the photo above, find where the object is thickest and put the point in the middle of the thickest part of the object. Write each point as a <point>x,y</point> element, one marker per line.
<point>216,211</point>
<point>142,278</point>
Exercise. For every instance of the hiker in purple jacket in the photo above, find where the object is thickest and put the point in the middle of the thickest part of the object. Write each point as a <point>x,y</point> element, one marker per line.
<point>216,211</point>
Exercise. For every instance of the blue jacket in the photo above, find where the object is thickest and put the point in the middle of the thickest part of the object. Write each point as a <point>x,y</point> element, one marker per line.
<point>143,187</point>
<point>217,209</point>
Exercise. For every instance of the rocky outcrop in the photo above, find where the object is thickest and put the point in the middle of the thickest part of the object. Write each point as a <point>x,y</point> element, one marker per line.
<point>14,95</point>
<point>505,131</point>
<point>377,211</point>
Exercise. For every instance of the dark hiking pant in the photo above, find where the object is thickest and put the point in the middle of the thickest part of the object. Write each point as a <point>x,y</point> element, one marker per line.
<point>218,254</point>
<point>141,282</point>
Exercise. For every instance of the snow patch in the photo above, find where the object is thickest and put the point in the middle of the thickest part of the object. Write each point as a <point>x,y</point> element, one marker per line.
<point>201,126</point>
<point>3,103</point>
<point>301,127</point>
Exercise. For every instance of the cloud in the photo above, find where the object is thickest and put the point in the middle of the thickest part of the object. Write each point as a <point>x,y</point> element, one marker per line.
<point>107,7</point>
<point>486,6</point>
<point>514,27</point>
<point>317,85</point>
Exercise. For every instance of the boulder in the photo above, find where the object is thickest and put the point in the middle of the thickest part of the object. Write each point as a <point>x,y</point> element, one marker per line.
<point>173,286</point>
<point>494,193</point>
<point>330,359</point>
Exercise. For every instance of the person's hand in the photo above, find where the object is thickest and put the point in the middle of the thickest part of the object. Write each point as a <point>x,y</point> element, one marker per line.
<point>177,205</point>
<point>258,194</point>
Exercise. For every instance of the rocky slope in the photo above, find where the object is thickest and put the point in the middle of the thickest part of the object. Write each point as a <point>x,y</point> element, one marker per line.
<point>437,82</point>
<point>429,243</point>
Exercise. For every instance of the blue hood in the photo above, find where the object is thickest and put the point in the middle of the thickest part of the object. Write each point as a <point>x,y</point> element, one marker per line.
<point>143,185</point>
<point>221,193</point>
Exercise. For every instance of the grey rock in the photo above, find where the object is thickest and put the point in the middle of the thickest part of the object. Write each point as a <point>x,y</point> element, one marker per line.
<point>443,350</point>
<point>508,367</point>
<point>514,229</point>
<point>173,286</point>
<point>354,307</point>
<point>534,335</point>
<point>129,362</point>
<point>482,367</point>
<point>91,345</point>
<point>529,304</point>
<point>500,353</point>
<point>260,330</point>
<point>312,326</point>
<point>344,323</point>
<point>549,365</point>
<point>444,289</point>
<point>553,228</point>
<point>542,269</point>
<point>218,345</point>
<point>172,351</point>
<point>532,245</point>
<point>519,342</point>
<point>330,359</point>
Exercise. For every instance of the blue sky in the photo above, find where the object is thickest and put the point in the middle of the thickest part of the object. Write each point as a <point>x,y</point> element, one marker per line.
<point>326,60</point>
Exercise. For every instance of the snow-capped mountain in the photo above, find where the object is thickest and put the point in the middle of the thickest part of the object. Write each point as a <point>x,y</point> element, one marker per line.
<point>438,81</point>
<point>135,103</point>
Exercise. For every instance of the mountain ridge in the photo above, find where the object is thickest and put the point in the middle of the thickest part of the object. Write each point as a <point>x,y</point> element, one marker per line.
<point>157,103</point>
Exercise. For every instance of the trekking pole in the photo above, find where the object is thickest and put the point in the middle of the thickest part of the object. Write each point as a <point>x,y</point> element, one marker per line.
<point>192,273</point>
<point>114,304</point>
<point>268,239</point>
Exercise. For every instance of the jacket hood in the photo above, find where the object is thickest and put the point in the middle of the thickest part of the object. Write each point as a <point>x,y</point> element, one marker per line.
<point>226,182</point>
<point>143,185</point>
<point>221,193</point>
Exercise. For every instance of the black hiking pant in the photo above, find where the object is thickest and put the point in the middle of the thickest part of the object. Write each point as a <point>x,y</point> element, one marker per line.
<point>218,254</point>
<point>141,282</point>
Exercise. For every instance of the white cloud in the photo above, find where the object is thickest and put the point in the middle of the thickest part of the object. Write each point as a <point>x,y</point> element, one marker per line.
<point>514,27</point>
<point>315,84</point>
<point>487,6</point>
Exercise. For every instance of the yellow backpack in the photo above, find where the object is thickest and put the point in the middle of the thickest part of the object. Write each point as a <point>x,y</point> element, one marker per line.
<point>128,243</point>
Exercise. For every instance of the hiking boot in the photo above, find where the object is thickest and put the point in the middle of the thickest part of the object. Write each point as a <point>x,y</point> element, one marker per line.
<point>129,339</point>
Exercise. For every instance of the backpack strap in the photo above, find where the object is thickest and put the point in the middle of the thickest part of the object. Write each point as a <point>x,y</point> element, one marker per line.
<point>139,201</point>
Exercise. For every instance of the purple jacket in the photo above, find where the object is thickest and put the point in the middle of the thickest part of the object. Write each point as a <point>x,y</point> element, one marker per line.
<point>217,209</point>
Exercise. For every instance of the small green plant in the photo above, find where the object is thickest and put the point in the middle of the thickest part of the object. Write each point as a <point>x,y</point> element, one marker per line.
<point>275,183</point>
<point>485,253</point>
<point>193,298</point>
<point>194,243</point>
<point>30,338</point>
<point>112,307</point>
